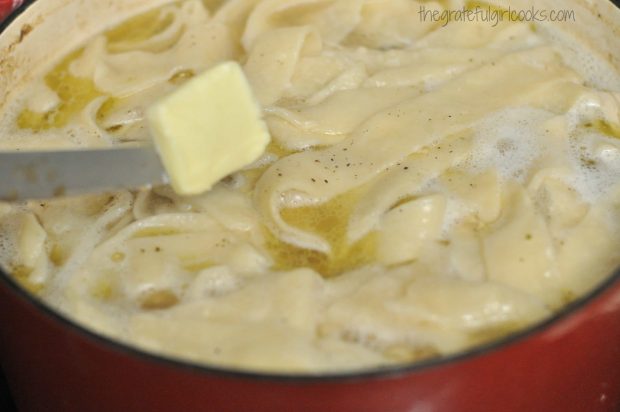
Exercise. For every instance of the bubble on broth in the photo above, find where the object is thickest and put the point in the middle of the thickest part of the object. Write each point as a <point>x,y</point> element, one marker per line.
<point>508,141</point>
<point>595,69</point>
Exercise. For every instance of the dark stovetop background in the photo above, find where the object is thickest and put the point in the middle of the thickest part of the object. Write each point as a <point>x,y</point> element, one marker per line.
<point>6,403</point>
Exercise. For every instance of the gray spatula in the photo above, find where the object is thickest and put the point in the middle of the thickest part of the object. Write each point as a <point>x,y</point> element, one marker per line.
<point>45,174</point>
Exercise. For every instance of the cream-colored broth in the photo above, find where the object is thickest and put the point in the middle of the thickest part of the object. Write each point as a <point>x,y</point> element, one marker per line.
<point>429,188</point>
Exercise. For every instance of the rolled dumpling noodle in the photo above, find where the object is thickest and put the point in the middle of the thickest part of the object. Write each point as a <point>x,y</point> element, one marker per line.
<point>429,186</point>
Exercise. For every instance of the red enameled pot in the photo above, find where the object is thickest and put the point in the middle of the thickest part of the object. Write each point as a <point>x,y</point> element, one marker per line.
<point>570,363</point>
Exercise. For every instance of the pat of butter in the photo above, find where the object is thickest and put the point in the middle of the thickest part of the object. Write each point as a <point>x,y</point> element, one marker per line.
<point>208,128</point>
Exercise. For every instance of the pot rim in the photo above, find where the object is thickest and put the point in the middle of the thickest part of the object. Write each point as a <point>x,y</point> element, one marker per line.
<point>577,306</point>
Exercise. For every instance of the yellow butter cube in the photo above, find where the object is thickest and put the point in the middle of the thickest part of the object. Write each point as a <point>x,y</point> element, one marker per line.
<point>208,128</point>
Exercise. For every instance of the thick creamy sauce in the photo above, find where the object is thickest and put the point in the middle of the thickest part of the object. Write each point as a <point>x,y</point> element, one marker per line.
<point>427,189</point>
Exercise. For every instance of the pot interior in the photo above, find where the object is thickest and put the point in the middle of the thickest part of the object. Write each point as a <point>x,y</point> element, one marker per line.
<point>35,38</point>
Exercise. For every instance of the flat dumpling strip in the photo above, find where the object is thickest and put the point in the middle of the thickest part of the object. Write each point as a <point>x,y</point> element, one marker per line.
<point>410,231</point>
<point>66,219</point>
<point>465,257</point>
<point>414,308</point>
<point>519,250</point>
<point>123,118</point>
<point>348,79</point>
<point>230,208</point>
<point>159,254</point>
<point>125,73</point>
<point>168,263</point>
<point>560,204</point>
<point>326,123</point>
<point>171,18</point>
<point>93,134</point>
<point>376,61</point>
<point>425,68</point>
<point>334,19</point>
<point>431,67</point>
<point>168,27</point>
<point>300,310</point>
<point>407,178</point>
<point>234,14</point>
<point>389,24</point>
<point>267,346</point>
<point>316,176</point>
<point>236,344</point>
<point>164,224</point>
<point>23,247</point>
<point>472,306</point>
<point>272,61</point>
<point>318,76</point>
<point>151,202</point>
<point>118,206</point>
<point>474,195</point>
<point>234,321</point>
<point>476,34</point>
<point>153,69</point>
<point>589,251</point>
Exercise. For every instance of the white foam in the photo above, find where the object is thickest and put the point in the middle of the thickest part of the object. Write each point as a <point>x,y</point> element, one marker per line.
<point>509,141</point>
<point>597,71</point>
